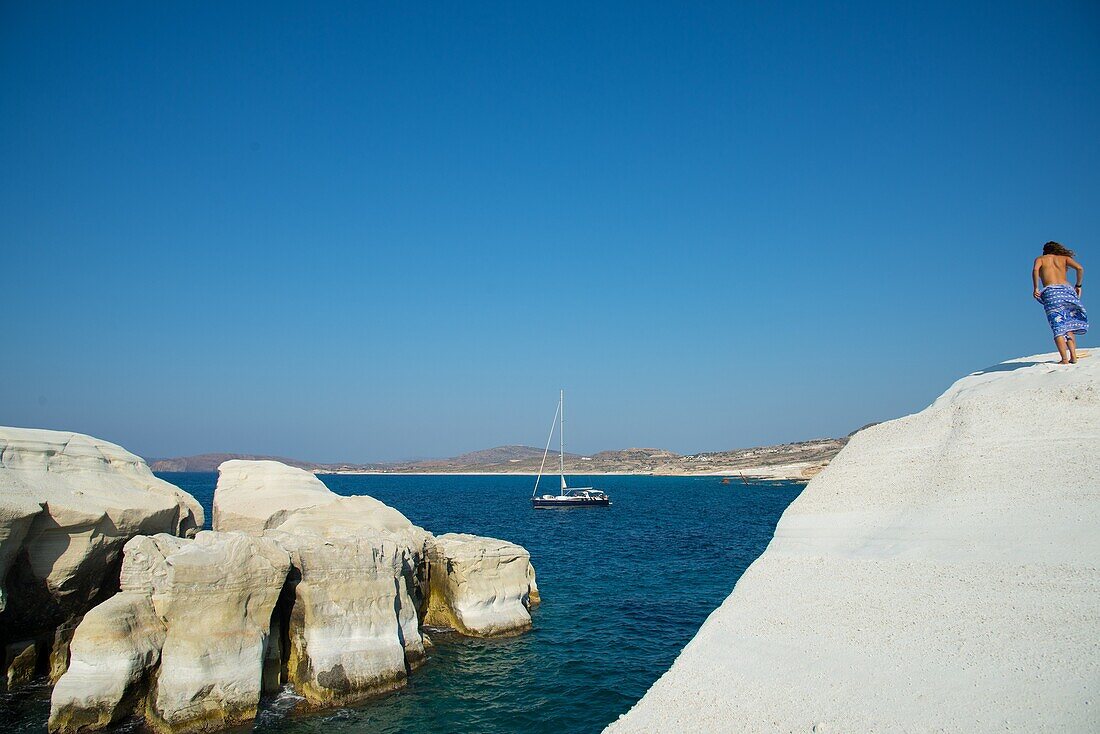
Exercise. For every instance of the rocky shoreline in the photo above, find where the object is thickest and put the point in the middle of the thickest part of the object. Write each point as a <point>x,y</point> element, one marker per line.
<point>113,592</point>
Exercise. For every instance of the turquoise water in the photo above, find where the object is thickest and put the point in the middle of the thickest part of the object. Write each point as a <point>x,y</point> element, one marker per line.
<point>623,588</point>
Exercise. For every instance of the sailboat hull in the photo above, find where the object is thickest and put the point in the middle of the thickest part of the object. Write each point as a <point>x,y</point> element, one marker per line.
<point>563,502</point>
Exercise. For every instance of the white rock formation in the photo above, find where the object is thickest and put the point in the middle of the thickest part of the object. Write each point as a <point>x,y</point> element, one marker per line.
<point>198,612</point>
<point>353,625</point>
<point>364,521</point>
<point>942,574</point>
<point>68,503</point>
<point>216,596</point>
<point>113,653</point>
<point>255,495</point>
<point>198,629</point>
<point>364,571</point>
<point>480,586</point>
<point>360,574</point>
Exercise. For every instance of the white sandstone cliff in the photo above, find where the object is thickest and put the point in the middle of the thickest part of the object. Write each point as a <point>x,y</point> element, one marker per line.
<point>480,586</point>
<point>302,586</point>
<point>183,643</point>
<point>942,574</point>
<point>359,574</point>
<point>68,504</point>
<point>113,654</point>
<point>256,495</point>
<point>362,585</point>
<point>353,628</point>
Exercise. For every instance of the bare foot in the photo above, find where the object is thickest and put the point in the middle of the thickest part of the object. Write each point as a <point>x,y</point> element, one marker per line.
<point>1064,361</point>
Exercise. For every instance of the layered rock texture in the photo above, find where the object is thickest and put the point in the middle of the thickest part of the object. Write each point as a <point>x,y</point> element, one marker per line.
<point>362,579</point>
<point>942,574</point>
<point>353,630</point>
<point>194,616</point>
<point>295,585</point>
<point>351,627</point>
<point>68,504</point>
<point>256,495</point>
<point>480,586</point>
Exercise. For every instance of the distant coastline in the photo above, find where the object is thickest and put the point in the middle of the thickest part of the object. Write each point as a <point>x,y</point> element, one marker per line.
<point>791,461</point>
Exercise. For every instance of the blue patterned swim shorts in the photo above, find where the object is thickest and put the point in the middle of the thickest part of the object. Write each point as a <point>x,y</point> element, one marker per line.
<point>1064,310</point>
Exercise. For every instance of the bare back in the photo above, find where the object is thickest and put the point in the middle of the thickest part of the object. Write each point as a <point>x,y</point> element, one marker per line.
<point>1063,308</point>
<point>1052,268</point>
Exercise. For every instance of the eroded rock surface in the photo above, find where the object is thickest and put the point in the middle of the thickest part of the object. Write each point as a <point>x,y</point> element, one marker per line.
<point>360,574</point>
<point>68,504</point>
<point>216,597</point>
<point>113,654</point>
<point>256,495</point>
<point>183,643</point>
<point>299,586</point>
<point>480,586</point>
<point>941,575</point>
<point>353,629</point>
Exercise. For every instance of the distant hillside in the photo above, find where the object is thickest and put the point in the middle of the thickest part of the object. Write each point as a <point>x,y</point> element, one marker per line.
<point>791,461</point>
<point>498,455</point>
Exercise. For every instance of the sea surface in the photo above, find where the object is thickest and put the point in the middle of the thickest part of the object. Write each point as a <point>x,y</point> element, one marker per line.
<point>623,589</point>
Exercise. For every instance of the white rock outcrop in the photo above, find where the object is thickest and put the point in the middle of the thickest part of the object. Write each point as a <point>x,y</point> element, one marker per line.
<point>480,586</point>
<point>256,495</point>
<point>184,643</point>
<point>364,582</point>
<point>353,628</point>
<point>360,574</point>
<point>216,596</point>
<point>942,574</point>
<point>306,587</point>
<point>113,653</point>
<point>68,504</point>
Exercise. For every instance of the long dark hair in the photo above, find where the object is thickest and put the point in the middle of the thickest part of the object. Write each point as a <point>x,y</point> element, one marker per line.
<point>1056,248</point>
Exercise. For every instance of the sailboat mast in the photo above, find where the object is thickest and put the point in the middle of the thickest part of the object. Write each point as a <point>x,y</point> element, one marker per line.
<point>561,438</point>
<point>546,451</point>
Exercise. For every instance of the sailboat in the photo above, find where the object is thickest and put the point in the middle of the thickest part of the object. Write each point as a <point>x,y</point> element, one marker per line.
<point>568,496</point>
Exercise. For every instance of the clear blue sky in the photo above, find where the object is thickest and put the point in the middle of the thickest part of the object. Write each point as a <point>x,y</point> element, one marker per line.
<point>370,231</point>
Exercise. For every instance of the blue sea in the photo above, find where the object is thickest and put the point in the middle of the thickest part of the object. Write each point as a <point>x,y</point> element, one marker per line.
<point>623,589</point>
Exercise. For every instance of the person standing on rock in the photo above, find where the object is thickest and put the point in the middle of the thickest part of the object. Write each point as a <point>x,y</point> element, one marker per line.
<point>1065,314</point>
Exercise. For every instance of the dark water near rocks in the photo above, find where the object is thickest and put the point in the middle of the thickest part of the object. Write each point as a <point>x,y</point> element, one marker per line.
<point>623,588</point>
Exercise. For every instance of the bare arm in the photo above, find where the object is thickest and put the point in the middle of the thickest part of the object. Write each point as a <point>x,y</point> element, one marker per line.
<point>1035,279</point>
<point>1071,263</point>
